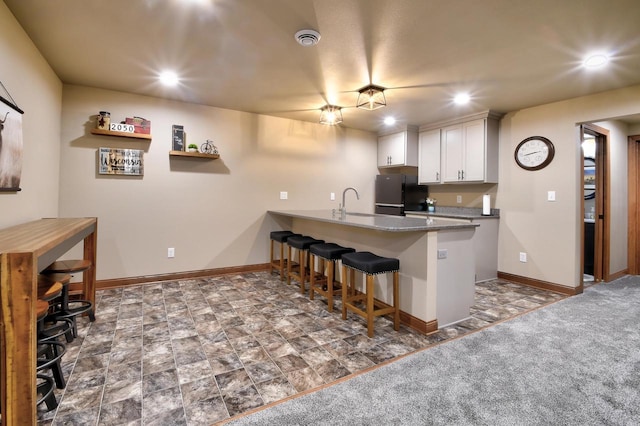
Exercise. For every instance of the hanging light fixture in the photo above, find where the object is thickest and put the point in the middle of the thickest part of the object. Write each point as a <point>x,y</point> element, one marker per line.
<point>371,97</point>
<point>330,115</point>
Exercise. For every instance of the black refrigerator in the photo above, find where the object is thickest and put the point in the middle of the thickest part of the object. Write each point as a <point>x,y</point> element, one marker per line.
<point>396,194</point>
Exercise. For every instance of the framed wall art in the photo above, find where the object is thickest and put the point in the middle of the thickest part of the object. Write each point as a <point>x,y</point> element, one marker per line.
<point>10,143</point>
<point>114,161</point>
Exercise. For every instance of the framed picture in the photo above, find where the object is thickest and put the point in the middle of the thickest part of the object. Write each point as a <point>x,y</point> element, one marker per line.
<point>178,137</point>
<point>114,161</point>
<point>10,146</point>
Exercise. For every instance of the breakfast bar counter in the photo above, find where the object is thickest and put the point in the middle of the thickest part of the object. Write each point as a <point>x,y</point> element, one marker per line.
<point>437,261</point>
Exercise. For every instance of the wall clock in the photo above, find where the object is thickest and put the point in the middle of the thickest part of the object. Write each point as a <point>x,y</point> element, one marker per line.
<point>534,153</point>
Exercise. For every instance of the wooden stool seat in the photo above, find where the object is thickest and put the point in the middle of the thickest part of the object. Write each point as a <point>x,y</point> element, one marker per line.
<point>48,289</point>
<point>68,266</point>
<point>371,265</point>
<point>282,263</point>
<point>330,253</point>
<point>301,243</point>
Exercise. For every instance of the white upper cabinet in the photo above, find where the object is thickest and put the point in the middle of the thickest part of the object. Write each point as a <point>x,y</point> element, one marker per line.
<point>429,157</point>
<point>398,149</point>
<point>468,150</point>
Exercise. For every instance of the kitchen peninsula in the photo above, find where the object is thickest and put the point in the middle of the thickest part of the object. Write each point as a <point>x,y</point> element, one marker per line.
<point>437,261</point>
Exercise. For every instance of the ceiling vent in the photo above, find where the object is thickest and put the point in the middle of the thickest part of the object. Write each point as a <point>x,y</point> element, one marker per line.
<point>307,37</point>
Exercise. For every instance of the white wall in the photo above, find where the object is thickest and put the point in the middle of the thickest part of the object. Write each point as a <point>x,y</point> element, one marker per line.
<point>38,92</point>
<point>549,232</point>
<point>212,212</point>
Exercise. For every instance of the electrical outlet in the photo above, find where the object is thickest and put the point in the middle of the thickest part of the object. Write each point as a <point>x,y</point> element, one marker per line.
<point>332,196</point>
<point>171,252</point>
<point>442,253</point>
<point>523,257</point>
<point>459,199</point>
<point>284,195</point>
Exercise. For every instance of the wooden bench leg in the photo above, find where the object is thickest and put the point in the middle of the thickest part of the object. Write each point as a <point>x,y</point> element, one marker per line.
<point>289,266</point>
<point>330,265</point>
<point>312,276</point>
<point>271,258</point>
<point>396,301</point>
<point>345,285</point>
<point>370,306</point>
<point>281,261</point>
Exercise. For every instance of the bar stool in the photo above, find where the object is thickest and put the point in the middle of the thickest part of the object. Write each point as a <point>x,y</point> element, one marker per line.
<point>50,352</point>
<point>52,328</point>
<point>301,243</point>
<point>329,254</point>
<point>44,384</point>
<point>369,264</point>
<point>283,262</point>
<point>58,270</point>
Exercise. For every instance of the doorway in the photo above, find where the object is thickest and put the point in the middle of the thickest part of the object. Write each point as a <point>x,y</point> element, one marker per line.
<point>634,204</point>
<point>595,204</point>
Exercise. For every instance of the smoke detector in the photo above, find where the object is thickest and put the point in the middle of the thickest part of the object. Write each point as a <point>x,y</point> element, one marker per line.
<point>307,37</point>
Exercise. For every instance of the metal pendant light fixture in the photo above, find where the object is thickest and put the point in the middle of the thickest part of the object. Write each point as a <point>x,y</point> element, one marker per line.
<point>371,97</point>
<point>330,115</point>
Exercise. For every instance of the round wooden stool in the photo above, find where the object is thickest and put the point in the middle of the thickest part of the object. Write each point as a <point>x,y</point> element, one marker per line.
<point>59,270</point>
<point>371,265</point>
<point>328,254</point>
<point>50,352</point>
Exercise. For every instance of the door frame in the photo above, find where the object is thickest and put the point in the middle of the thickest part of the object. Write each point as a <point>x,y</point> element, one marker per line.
<point>633,173</point>
<point>602,244</point>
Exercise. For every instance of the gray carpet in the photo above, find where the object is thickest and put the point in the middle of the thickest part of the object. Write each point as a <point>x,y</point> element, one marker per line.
<point>576,362</point>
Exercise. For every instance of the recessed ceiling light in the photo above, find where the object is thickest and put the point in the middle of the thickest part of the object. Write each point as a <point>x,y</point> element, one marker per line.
<point>389,121</point>
<point>462,98</point>
<point>169,78</point>
<point>596,61</point>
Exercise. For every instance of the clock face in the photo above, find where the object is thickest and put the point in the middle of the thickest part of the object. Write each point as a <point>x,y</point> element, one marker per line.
<point>534,153</point>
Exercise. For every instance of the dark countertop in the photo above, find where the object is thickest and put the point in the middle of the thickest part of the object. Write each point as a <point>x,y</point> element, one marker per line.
<point>467,213</point>
<point>377,222</point>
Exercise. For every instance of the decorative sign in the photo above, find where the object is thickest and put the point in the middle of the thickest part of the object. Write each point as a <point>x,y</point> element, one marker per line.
<point>114,161</point>
<point>121,127</point>
<point>178,137</point>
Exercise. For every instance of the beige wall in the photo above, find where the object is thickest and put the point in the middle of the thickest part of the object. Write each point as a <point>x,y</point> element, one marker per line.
<point>549,232</point>
<point>211,212</point>
<point>37,91</point>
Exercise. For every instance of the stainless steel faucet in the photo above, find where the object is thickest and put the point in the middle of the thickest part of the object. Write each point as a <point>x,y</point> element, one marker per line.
<point>343,207</point>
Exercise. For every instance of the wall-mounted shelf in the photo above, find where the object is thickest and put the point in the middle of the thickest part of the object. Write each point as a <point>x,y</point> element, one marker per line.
<point>120,134</point>
<point>194,155</point>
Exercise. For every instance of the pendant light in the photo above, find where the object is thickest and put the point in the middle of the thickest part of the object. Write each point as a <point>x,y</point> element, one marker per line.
<point>371,97</point>
<point>331,115</point>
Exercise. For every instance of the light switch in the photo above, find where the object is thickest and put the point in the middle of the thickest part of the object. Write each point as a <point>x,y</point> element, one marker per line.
<point>332,196</point>
<point>551,195</point>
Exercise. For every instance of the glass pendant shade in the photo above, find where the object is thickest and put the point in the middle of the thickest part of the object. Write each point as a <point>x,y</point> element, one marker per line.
<point>371,97</point>
<point>331,115</point>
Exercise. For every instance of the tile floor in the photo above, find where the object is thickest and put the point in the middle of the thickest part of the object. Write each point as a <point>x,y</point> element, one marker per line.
<point>195,352</point>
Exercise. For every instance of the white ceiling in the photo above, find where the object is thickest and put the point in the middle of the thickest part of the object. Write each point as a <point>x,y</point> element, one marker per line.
<point>241,54</point>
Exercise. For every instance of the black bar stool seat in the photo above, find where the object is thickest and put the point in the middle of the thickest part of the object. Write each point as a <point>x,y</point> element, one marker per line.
<point>371,265</point>
<point>280,264</point>
<point>329,253</point>
<point>301,243</point>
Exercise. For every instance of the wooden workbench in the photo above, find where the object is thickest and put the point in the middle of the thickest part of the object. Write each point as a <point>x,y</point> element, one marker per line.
<point>25,250</point>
